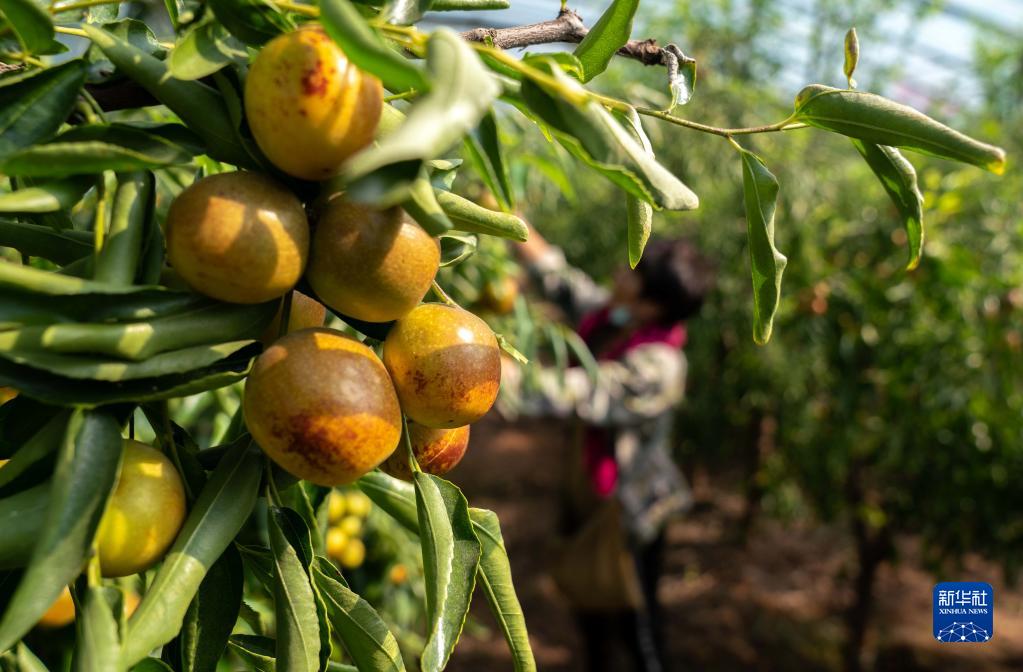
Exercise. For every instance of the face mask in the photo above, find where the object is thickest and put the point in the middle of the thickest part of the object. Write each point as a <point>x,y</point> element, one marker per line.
<point>619,316</point>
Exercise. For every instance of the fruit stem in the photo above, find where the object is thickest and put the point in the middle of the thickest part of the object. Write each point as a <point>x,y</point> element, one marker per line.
<point>298,8</point>
<point>84,4</point>
<point>442,295</point>
<point>407,440</point>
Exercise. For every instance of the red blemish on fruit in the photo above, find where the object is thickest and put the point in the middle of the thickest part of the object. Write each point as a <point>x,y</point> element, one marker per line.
<point>314,81</point>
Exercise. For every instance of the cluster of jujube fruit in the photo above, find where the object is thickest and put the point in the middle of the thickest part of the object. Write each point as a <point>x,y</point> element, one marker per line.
<point>320,403</point>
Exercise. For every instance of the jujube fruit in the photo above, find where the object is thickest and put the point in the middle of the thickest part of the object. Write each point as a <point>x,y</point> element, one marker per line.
<point>322,406</point>
<point>350,525</point>
<point>445,364</point>
<point>437,451</point>
<point>238,237</point>
<point>374,265</point>
<point>305,313</point>
<point>353,554</point>
<point>499,296</point>
<point>144,515</point>
<point>60,613</point>
<point>358,504</point>
<point>308,106</point>
<point>337,540</point>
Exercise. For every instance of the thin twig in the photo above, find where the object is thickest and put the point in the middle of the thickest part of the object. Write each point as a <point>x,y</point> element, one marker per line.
<point>567,27</point>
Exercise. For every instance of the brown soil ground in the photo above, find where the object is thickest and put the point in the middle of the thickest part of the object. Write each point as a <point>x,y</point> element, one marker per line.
<point>773,604</point>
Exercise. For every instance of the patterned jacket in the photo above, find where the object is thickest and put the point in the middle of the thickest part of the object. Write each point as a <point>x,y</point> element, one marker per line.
<point>633,398</point>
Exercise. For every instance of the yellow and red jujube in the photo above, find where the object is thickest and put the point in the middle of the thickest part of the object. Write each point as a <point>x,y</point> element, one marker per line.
<point>308,106</point>
<point>322,406</point>
<point>445,364</point>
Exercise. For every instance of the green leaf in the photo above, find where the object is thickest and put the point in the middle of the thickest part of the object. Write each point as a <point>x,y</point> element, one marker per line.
<point>639,214</point>
<point>496,581</point>
<point>152,665</point>
<point>456,248</point>
<point>98,640</point>
<point>451,557</point>
<point>134,201</point>
<point>760,195</point>
<point>406,12</point>
<point>422,206</point>
<point>134,32</point>
<point>93,149</point>
<point>875,119</point>
<point>640,217</point>
<point>30,22</point>
<point>201,108</point>
<point>82,481</point>
<point>254,22</point>
<point>46,197</point>
<point>22,516</point>
<point>898,177</point>
<point>484,150</point>
<point>298,637</point>
<point>593,135</point>
<point>61,247</point>
<point>33,450</point>
<point>138,341</point>
<point>27,661</point>
<point>203,50</point>
<point>212,615</point>
<point>32,108</point>
<point>467,216</point>
<point>364,634</point>
<point>852,56</point>
<point>395,496</point>
<point>461,95</point>
<point>256,650</point>
<point>367,50</point>
<point>607,36</point>
<point>220,511</point>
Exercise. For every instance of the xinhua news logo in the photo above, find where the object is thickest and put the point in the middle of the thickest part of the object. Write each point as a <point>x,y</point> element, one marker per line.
<point>964,612</point>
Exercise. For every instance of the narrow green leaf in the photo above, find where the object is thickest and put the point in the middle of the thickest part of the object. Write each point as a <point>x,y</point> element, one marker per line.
<point>364,634</point>
<point>220,511</point>
<point>852,56</point>
<point>134,201</point>
<point>484,150</point>
<point>406,12</point>
<point>456,248</point>
<point>61,247</point>
<point>201,108</point>
<point>395,496</point>
<point>462,93</point>
<point>32,108</point>
<point>152,665</point>
<point>82,481</point>
<point>258,651</point>
<point>254,22</point>
<point>30,22</point>
<point>467,216</point>
<point>138,341</point>
<point>881,121</point>
<point>451,557</point>
<point>203,50</point>
<point>46,197</point>
<point>639,214</point>
<point>298,638</point>
<point>607,36</point>
<point>38,446</point>
<point>898,177</point>
<point>28,661</point>
<point>93,149</point>
<point>212,614</point>
<point>760,195</point>
<point>366,49</point>
<point>98,645</point>
<point>422,206</point>
<point>496,580</point>
<point>22,516</point>
<point>590,133</point>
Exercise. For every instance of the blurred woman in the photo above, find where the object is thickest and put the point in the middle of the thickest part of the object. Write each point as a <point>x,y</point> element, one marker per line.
<point>626,485</point>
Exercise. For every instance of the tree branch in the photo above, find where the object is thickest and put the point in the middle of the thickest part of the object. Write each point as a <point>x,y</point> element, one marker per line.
<point>568,27</point>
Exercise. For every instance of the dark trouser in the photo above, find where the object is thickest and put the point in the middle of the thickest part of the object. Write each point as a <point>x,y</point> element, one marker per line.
<point>634,634</point>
